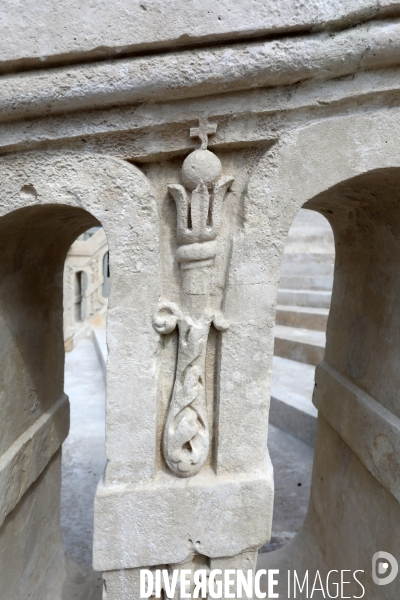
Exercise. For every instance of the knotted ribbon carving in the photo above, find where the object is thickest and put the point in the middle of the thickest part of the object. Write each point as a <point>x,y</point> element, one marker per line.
<point>199,212</point>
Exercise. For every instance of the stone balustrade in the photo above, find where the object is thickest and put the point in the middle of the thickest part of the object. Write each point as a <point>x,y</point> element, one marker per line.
<point>196,184</point>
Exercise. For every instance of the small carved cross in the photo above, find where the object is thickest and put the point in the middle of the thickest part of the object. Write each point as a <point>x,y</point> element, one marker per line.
<point>203,131</point>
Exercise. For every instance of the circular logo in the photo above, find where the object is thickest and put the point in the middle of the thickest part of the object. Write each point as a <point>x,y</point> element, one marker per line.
<point>384,568</point>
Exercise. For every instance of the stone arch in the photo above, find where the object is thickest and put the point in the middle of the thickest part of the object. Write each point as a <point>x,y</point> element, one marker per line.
<point>47,200</point>
<point>302,164</point>
<point>348,169</point>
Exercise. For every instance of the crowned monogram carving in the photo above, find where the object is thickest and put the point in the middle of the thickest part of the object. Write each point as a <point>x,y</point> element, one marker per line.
<point>199,205</point>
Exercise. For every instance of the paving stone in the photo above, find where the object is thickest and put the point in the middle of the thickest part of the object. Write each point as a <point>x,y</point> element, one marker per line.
<point>292,461</point>
<point>83,462</point>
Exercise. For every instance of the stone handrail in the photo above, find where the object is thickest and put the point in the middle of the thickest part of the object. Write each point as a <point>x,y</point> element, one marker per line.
<point>370,429</point>
<point>29,455</point>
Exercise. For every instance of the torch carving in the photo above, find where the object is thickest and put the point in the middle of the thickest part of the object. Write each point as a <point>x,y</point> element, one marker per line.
<point>199,212</point>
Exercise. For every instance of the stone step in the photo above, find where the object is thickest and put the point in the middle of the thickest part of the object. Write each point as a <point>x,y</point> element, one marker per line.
<point>308,263</point>
<point>302,345</point>
<point>302,316</point>
<point>291,392</point>
<point>310,218</point>
<point>306,229</point>
<point>306,282</point>
<point>309,240</point>
<point>308,298</point>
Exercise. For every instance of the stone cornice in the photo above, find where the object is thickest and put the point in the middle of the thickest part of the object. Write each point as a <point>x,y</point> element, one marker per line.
<point>49,34</point>
<point>202,72</point>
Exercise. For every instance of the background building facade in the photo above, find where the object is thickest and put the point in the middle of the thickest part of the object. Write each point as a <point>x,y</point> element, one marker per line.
<point>86,285</point>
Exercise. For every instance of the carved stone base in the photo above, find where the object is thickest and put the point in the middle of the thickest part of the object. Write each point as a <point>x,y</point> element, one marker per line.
<point>167,520</point>
<point>124,584</point>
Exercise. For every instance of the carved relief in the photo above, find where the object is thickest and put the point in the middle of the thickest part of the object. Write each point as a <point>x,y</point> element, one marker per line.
<point>199,212</point>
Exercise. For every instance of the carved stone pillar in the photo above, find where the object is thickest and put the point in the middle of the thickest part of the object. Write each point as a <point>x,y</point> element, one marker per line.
<point>207,495</point>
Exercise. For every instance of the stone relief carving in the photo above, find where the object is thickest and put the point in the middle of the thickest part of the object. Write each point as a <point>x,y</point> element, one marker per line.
<point>199,213</point>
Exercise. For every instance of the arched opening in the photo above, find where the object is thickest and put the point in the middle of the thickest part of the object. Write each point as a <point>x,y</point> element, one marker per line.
<point>41,216</point>
<point>353,506</point>
<point>34,242</point>
<point>83,459</point>
<point>304,297</point>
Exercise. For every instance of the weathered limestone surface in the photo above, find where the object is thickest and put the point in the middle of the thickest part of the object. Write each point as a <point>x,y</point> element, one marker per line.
<point>210,71</point>
<point>196,163</point>
<point>35,241</point>
<point>354,349</point>
<point>26,458</point>
<point>32,561</point>
<point>54,32</point>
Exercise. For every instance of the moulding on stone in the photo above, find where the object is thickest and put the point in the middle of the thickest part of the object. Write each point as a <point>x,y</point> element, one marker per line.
<point>103,30</point>
<point>370,429</point>
<point>200,72</point>
<point>153,132</point>
<point>29,455</point>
